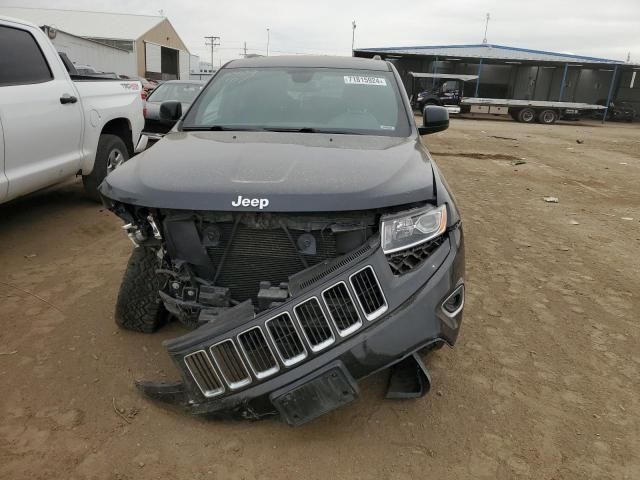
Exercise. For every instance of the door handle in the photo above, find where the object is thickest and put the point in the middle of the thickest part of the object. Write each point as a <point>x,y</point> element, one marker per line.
<point>66,98</point>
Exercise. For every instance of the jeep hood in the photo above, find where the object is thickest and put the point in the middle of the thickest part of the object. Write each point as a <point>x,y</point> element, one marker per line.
<point>294,172</point>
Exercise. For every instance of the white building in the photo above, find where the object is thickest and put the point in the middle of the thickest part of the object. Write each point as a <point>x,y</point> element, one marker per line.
<point>201,70</point>
<point>194,63</point>
<point>154,49</point>
<point>206,68</point>
<point>82,51</point>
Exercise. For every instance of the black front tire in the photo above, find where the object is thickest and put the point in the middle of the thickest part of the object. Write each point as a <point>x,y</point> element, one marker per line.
<point>139,307</point>
<point>109,146</point>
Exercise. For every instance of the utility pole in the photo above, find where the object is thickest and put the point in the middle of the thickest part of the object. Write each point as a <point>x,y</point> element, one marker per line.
<point>353,35</point>
<point>486,27</point>
<point>212,41</point>
<point>268,40</point>
<point>245,50</point>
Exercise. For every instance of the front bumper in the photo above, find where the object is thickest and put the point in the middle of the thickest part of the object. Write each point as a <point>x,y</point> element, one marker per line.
<point>413,318</point>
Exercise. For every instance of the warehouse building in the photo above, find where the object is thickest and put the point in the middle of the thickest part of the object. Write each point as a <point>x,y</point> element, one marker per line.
<point>153,47</point>
<point>518,73</point>
<point>86,52</point>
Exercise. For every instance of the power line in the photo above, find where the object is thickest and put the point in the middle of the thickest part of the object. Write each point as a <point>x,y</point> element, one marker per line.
<point>212,41</point>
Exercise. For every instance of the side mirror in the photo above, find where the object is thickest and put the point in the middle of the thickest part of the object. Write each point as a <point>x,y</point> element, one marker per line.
<point>170,112</point>
<point>434,119</point>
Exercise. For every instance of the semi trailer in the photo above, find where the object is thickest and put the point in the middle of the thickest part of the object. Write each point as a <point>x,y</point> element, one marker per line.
<point>448,90</point>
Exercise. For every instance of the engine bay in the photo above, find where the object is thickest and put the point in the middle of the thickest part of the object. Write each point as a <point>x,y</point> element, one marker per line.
<point>213,261</point>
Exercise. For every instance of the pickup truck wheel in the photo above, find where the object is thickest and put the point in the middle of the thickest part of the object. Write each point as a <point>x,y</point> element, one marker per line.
<point>139,307</point>
<point>111,153</point>
<point>547,117</point>
<point>526,115</point>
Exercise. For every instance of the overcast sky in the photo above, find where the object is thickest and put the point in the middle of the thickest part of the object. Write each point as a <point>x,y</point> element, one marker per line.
<point>588,27</point>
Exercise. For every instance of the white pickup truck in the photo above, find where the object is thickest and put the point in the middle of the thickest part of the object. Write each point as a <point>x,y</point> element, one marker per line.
<point>54,125</point>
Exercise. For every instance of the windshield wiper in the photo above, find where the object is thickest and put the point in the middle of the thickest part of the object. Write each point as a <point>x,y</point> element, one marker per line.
<point>291,129</point>
<point>232,128</point>
<point>311,130</point>
<point>220,128</point>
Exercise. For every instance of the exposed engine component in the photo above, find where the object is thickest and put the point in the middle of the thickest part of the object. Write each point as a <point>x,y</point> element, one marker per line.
<point>211,236</point>
<point>215,260</point>
<point>269,297</point>
<point>214,296</point>
<point>306,244</point>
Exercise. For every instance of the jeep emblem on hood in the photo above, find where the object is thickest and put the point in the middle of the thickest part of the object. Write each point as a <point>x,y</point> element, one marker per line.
<point>251,202</point>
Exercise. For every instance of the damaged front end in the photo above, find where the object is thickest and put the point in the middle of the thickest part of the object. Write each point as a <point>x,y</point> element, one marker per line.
<point>289,310</point>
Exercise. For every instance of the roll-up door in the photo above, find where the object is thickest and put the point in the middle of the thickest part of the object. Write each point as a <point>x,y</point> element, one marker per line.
<point>153,57</point>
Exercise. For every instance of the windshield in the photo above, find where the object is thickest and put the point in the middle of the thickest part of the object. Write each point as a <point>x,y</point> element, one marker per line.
<point>177,92</point>
<point>301,99</point>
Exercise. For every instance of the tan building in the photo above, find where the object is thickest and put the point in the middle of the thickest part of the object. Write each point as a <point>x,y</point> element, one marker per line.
<point>156,49</point>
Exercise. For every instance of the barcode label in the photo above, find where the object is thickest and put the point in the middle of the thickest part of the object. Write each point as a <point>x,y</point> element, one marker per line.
<point>360,80</point>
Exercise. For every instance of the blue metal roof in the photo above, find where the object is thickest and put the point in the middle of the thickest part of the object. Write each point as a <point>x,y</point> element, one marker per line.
<point>490,51</point>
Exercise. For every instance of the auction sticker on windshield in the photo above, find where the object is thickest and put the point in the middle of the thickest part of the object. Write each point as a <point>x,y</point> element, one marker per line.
<point>360,80</point>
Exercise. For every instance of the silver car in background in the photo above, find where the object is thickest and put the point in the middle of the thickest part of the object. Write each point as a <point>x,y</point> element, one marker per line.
<point>183,91</point>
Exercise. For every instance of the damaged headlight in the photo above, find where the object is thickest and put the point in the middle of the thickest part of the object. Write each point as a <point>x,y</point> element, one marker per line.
<point>411,228</point>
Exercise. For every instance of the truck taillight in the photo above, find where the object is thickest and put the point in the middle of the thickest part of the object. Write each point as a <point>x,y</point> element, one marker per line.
<point>143,94</point>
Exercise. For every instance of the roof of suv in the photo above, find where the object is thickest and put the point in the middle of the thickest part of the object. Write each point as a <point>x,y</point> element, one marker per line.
<point>311,61</point>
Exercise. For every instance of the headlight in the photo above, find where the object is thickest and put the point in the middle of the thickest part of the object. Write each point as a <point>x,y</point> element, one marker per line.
<point>412,228</point>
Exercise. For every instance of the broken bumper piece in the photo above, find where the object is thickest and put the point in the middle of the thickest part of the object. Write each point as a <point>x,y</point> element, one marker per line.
<point>347,319</point>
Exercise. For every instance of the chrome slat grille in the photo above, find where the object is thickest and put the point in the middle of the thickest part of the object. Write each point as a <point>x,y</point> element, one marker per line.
<point>258,352</point>
<point>230,363</point>
<point>369,293</point>
<point>314,324</point>
<point>342,309</point>
<point>286,339</point>
<point>233,363</point>
<point>203,373</point>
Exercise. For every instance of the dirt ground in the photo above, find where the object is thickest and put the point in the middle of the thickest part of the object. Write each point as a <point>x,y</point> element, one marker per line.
<point>542,384</point>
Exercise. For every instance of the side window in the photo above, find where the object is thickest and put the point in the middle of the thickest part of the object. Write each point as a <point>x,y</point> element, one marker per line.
<point>450,86</point>
<point>21,60</point>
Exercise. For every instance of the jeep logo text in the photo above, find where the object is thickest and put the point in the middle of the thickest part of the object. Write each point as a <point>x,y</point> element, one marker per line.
<point>250,202</point>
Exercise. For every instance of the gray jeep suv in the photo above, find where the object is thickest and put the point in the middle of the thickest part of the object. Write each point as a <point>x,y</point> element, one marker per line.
<point>296,223</point>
